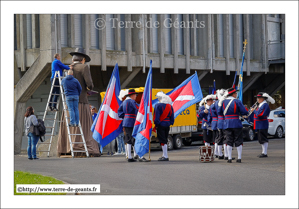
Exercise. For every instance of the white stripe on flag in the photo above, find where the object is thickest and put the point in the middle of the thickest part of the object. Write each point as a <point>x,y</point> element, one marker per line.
<point>110,112</point>
<point>185,97</point>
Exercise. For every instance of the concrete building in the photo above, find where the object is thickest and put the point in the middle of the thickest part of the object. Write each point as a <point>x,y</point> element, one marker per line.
<point>178,44</point>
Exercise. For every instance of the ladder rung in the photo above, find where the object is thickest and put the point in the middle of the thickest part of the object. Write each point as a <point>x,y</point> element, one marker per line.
<point>53,102</point>
<point>49,135</point>
<point>79,151</point>
<point>56,85</point>
<point>42,151</point>
<point>55,94</point>
<point>49,126</point>
<point>76,134</point>
<point>49,119</point>
<point>77,142</point>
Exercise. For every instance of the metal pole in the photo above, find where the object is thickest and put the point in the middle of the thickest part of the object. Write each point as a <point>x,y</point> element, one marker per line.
<point>55,34</point>
<point>143,48</point>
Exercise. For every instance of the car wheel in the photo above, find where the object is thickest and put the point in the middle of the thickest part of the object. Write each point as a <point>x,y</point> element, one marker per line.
<point>187,142</point>
<point>249,134</point>
<point>178,142</point>
<point>279,132</point>
<point>169,143</point>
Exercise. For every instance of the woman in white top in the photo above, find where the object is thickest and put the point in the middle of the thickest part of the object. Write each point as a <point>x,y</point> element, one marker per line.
<point>31,120</point>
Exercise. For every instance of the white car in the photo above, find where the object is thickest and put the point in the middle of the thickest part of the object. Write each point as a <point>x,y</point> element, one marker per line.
<point>277,122</point>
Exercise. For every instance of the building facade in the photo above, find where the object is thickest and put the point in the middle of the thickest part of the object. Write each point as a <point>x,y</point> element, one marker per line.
<point>178,44</point>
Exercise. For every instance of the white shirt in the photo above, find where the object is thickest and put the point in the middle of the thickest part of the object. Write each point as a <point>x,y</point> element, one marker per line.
<point>261,104</point>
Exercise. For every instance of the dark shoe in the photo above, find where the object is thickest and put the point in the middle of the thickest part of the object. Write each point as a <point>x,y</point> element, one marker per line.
<point>142,159</point>
<point>49,108</point>
<point>131,160</point>
<point>30,158</point>
<point>229,161</point>
<point>238,161</point>
<point>226,158</point>
<point>216,156</point>
<point>54,109</point>
<point>221,157</point>
<point>163,159</point>
<point>35,158</point>
<point>263,155</point>
<point>135,157</point>
<point>233,158</point>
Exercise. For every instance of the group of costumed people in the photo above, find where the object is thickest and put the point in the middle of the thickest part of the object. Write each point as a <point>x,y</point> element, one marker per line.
<point>163,119</point>
<point>221,124</point>
<point>220,116</point>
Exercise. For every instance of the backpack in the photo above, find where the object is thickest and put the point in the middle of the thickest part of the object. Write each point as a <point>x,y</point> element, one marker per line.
<point>42,129</point>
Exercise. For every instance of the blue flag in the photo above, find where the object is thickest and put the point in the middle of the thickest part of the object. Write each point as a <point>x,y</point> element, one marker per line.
<point>214,88</point>
<point>240,85</point>
<point>143,125</point>
<point>185,95</point>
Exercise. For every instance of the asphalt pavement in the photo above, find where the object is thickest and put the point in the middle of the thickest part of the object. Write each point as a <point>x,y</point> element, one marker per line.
<point>184,174</point>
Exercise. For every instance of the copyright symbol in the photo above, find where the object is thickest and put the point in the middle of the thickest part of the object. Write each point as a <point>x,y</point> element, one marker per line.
<point>20,189</point>
<point>99,23</point>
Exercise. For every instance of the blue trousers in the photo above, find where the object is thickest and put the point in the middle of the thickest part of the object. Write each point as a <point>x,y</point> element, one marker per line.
<point>72,103</point>
<point>32,141</point>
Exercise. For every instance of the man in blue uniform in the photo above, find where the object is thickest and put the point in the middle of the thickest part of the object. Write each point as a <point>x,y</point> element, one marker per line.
<point>204,114</point>
<point>128,111</point>
<point>261,123</point>
<point>219,125</point>
<point>163,119</point>
<point>214,118</point>
<point>231,108</point>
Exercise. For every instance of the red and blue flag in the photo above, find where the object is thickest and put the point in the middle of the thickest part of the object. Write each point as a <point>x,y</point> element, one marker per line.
<point>107,125</point>
<point>185,95</point>
<point>143,125</point>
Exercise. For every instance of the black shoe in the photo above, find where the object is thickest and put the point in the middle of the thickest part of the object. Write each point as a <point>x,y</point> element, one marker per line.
<point>221,157</point>
<point>216,156</point>
<point>163,159</point>
<point>142,159</point>
<point>229,161</point>
<point>238,161</point>
<point>30,158</point>
<point>35,158</point>
<point>54,109</point>
<point>263,155</point>
<point>233,158</point>
<point>131,160</point>
<point>135,157</point>
<point>50,108</point>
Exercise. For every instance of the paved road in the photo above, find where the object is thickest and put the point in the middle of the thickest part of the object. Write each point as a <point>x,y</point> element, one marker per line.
<point>183,174</point>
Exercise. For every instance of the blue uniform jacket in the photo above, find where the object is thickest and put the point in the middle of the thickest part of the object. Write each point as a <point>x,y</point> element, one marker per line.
<point>57,65</point>
<point>205,117</point>
<point>213,115</point>
<point>128,111</point>
<point>219,115</point>
<point>158,111</point>
<point>260,117</point>
<point>231,119</point>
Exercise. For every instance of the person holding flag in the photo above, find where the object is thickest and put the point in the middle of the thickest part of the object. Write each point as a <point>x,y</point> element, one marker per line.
<point>128,111</point>
<point>163,119</point>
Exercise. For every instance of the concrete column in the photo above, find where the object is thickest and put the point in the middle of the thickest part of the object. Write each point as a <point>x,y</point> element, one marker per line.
<point>174,32</point>
<point>117,35</point>
<point>128,32</point>
<point>18,31</point>
<point>210,43</point>
<point>71,36</point>
<point>193,36</point>
<point>248,46</point>
<point>187,43</point>
<point>23,41</point>
<point>264,44</point>
<point>87,35</point>
<point>103,44</point>
<point>161,34</point>
<point>58,33</point>
<point>20,108</point>
<point>227,49</point>
<point>237,42</point>
<point>35,28</point>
